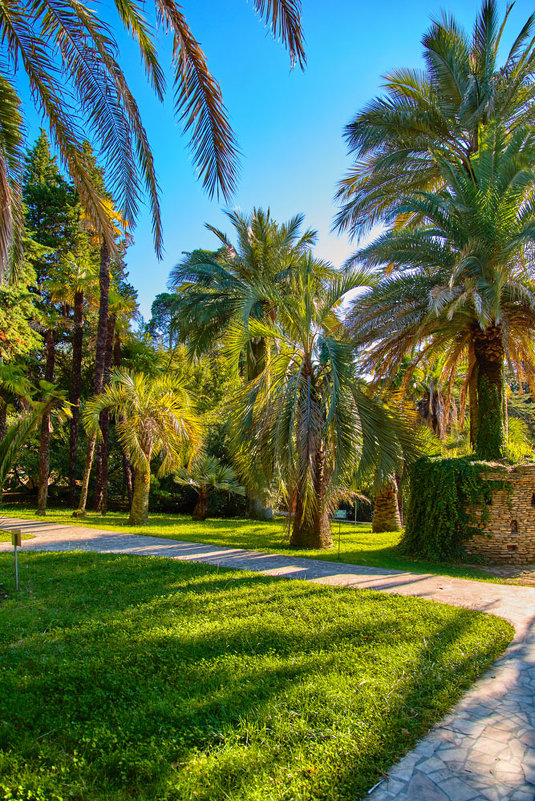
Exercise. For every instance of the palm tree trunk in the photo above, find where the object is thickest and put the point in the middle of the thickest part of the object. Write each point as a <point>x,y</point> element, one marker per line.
<point>100,363</point>
<point>489,354</point>
<point>139,510</point>
<point>200,511</point>
<point>76,386</point>
<point>472,394</point>
<point>386,509</point>
<point>313,529</point>
<point>127,467</point>
<point>44,441</point>
<point>257,506</point>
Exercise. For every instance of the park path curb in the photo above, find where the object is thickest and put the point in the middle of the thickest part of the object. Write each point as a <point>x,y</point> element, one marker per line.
<point>484,750</point>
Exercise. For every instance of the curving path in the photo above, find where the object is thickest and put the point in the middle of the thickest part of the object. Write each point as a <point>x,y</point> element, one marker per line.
<point>484,750</point>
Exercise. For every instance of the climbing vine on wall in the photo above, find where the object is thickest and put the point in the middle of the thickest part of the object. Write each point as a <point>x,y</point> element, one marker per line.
<point>443,498</point>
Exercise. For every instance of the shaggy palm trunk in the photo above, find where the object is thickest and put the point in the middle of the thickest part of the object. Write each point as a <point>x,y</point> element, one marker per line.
<point>44,441</point>
<point>472,394</point>
<point>312,528</point>
<point>100,363</point>
<point>103,450</point>
<point>257,506</point>
<point>386,509</point>
<point>127,467</point>
<point>139,510</point>
<point>489,355</point>
<point>200,511</point>
<point>74,395</point>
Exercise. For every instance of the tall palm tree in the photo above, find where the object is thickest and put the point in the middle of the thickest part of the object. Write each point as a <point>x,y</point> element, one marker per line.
<point>462,286</point>
<point>206,475</point>
<point>305,417</point>
<point>398,140</point>
<point>218,290</point>
<point>70,57</point>
<point>154,418</point>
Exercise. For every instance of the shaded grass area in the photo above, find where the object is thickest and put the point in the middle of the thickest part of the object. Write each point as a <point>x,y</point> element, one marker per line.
<point>358,545</point>
<point>135,678</point>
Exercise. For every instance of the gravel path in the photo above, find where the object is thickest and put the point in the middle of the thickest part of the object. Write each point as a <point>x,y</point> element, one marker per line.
<point>484,750</point>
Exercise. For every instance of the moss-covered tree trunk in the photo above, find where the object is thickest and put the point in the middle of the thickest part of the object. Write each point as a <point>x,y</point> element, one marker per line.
<point>200,511</point>
<point>44,440</point>
<point>386,509</point>
<point>139,511</point>
<point>489,354</point>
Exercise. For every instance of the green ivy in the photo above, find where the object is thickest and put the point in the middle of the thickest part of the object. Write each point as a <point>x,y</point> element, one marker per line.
<point>444,494</point>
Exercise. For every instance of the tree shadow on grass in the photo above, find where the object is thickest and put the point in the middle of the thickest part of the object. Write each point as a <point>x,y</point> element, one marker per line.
<point>156,679</point>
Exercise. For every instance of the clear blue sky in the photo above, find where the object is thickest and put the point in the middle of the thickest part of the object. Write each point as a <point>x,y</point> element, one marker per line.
<point>289,124</point>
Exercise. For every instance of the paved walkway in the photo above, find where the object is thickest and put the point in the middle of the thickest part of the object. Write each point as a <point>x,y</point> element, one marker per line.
<point>484,750</point>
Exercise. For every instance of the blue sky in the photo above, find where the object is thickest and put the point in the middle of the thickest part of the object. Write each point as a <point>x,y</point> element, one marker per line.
<point>289,123</point>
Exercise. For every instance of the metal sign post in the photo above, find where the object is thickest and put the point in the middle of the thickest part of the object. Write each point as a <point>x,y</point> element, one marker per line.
<point>339,514</point>
<point>16,541</point>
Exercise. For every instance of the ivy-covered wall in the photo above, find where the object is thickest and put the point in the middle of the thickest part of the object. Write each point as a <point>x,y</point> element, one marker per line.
<point>460,507</point>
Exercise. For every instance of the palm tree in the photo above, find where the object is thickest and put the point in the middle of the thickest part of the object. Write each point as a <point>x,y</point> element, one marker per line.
<point>14,385</point>
<point>399,141</point>
<point>462,286</point>
<point>154,418</point>
<point>207,475</point>
<point>216,291</point>
<point>306,418</point>
<point>67,52</point>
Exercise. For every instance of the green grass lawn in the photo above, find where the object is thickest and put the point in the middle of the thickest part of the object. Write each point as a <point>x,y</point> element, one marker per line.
<point>126,678</point>
<point>358,545</point>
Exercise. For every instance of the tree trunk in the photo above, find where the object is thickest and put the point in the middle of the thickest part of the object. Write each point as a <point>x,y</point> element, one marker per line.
<point>3,418</point>
<point>139,511</point>
<point>489,354</point>
<point>44,442</point>
<point>258,507</point>
<point>200,511</point>
<point>312,529</point>
<point>100,363</point>
<point>101,473</point>
<point>76,386</point>
<point>386,509</point>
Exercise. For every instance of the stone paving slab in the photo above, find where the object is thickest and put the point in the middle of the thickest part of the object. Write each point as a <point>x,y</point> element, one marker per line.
<point>483,750</point>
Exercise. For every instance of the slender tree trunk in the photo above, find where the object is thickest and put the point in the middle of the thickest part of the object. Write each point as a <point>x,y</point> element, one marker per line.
<point>100,363</point>
<point>386,509</point>
<point>127,467</point>
<point>139,511</point>
<point>200,511</point>
<point>312,529</point>
<point>101,473</point>
<point>74,396</point>
<point>489,354</point>
<point>3,418</point>
<point>44,442</point>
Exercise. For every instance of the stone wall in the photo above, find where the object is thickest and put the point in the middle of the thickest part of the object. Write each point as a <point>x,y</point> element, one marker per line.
<point>509,532</point>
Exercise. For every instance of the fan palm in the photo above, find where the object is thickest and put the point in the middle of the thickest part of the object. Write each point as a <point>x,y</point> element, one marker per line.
<point>426,116</point>
<point>462,285</point>
<point>205,475</point>
<point>216,291</point>
<point>305,417</point>
<point>67,51</point>
<point>154,418</point>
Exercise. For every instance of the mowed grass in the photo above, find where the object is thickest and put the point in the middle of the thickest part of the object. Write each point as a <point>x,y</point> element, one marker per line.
<point>136,678</point>
<point>358,545</point>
